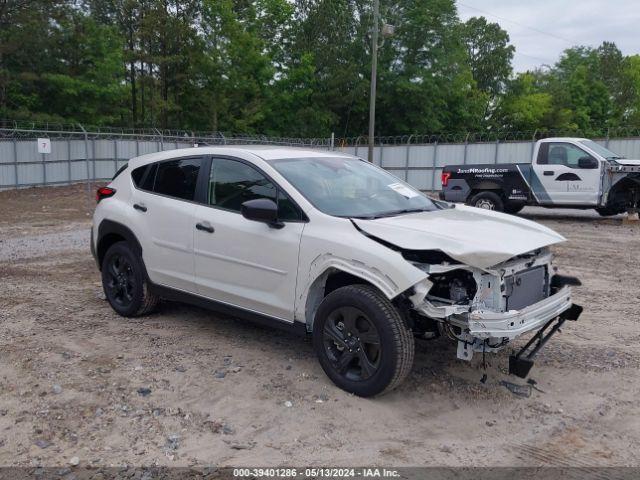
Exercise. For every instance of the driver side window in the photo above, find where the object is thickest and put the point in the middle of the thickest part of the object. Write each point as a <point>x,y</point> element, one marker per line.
<point>562,154</point>
<point>231,183</point>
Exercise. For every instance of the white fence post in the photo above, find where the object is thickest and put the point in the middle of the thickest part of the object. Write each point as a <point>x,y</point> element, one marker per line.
<point>433,169</point>
<point>115,156</point>
<point>406,160</point>
<point>86,160</point>
<point>15,161</point>
<point>466,148</point>
<point>69,160</point>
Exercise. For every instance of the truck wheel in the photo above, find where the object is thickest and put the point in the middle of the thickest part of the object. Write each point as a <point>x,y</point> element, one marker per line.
<point>513,208</point>
<point>124,282</point>
<point>487,201</point>
<point>361,340</point>
<point>608,211</point>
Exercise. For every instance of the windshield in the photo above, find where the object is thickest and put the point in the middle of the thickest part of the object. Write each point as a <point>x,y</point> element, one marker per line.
<point>600,150</point>
<point>349,187</point>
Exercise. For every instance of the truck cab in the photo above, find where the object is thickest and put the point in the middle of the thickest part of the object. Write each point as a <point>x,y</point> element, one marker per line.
<point>567,171</point>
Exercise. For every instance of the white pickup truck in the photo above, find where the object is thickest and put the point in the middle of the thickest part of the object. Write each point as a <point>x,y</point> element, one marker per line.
<point>563,173</point>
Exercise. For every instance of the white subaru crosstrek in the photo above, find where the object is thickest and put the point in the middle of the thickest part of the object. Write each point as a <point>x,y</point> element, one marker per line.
<point>332,245</point>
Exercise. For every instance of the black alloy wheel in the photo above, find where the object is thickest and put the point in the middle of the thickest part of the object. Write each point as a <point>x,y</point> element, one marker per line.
<point>121,281</point>
<point>352,343</point>
<point>125,283</point>
<point>362,341</point>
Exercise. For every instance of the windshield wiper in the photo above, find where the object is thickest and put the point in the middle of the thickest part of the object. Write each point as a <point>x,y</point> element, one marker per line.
<point>393,213</point>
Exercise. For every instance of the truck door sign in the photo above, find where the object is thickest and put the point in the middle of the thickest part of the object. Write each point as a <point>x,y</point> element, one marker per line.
<point>568,177</point>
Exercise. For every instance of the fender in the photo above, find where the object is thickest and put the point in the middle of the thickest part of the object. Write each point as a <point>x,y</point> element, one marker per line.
<point>326,264</point>
<point>108,232</point>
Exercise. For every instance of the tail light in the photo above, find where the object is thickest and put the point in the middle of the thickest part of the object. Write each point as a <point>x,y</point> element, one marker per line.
<point>104,192</point>
<point>445,178</point>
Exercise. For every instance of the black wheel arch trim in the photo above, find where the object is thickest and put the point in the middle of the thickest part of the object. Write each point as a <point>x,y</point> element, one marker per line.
<point>109,227</point>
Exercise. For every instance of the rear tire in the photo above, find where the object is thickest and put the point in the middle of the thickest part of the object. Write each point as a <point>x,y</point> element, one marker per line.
<point>487,201</point>
<point>361,341</point>
<point>124,282</point>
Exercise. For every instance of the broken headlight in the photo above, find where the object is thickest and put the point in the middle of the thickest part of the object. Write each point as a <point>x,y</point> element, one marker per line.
<point>457,287</point>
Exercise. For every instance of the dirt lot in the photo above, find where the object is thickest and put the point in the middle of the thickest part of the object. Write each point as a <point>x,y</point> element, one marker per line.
<point>186,387</point>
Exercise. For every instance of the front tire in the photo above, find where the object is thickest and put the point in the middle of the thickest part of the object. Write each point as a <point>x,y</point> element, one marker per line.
<point>487,201</point>
<point>513,208</point>
<point>361,341</point>
<point>124,282</point>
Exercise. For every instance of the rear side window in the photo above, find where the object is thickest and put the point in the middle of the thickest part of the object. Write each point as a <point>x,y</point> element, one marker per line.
<point>232,183</point>
<point>137,175</point>
<point>177,178</point>
<point>149,177</point>
<point>144,177</point>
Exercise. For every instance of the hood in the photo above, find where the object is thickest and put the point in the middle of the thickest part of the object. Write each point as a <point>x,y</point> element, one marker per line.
<point>628,162</point>
<point>475,237</point>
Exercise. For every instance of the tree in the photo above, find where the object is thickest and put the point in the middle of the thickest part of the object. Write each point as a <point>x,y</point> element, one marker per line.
<point>489,54</point>
<point>87,84</point>
<point>237,65</point>
<point>524,106</point>
<point>24,55</point>
<point>631,88</point>
<point>295,68</point>
<point>425,83</point>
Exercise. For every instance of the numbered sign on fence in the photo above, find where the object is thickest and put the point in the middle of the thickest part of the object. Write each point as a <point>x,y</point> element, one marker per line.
<point>44,145</point>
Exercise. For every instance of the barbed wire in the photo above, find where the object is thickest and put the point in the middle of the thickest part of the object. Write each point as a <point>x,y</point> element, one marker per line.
<point>18,129</point>
<point>490,136</point>
<point>13,129</point>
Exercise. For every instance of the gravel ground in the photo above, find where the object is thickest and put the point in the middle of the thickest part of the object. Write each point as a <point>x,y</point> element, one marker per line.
<point>44,244</point>
<point>185,387</point>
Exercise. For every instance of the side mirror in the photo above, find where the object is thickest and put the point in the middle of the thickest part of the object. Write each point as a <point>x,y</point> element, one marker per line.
<point>262,210</point>
<point>587,162</point>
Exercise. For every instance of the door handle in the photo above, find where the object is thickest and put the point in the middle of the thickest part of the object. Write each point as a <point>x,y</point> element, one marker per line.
<point>139,206</point>
<point>548,173</point>
<point>205,227</point>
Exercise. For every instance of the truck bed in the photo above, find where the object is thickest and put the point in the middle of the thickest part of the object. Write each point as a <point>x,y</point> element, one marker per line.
<point>511,179</point>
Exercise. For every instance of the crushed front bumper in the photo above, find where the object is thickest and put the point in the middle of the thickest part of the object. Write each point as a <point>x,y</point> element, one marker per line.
<point>511,324</point>
<point>487,331</point>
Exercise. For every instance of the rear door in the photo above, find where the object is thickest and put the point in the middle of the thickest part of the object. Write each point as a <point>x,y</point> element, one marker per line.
<point>566,175</point>
<point>242,262</point>
<point>164,202</point>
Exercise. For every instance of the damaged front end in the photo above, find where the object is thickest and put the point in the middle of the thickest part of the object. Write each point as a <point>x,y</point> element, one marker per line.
<point>485,309</point>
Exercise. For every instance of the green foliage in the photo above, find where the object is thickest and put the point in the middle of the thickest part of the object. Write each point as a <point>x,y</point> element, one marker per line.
<point>295,68</point>
<point>489,54</point>
<point>525,107</point>
<point>587,91</point>
<point>631,82</point>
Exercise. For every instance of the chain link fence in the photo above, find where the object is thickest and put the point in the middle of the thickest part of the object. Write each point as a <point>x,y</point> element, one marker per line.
<point>93,154</point>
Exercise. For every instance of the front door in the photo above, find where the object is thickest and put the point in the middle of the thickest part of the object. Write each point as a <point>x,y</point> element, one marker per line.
<point>566,174</point>
<point>242,262</point>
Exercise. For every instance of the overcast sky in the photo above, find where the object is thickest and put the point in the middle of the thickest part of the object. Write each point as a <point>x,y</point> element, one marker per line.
<point>541,29</point>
